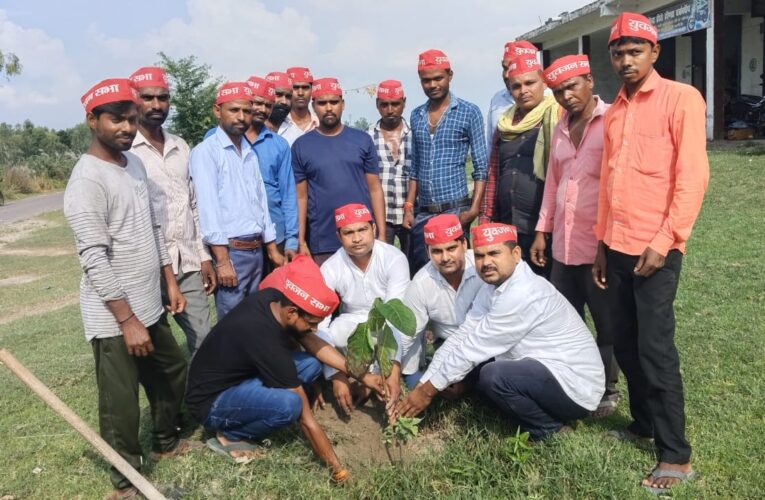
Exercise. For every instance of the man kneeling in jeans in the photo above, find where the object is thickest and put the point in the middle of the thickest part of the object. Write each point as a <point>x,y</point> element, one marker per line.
<point>546,370</point>
<point>246,380</point>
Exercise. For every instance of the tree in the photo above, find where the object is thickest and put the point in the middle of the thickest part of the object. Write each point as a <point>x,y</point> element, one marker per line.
<point>361,124</point>
<point>193,94</point>
<point>9,64</point>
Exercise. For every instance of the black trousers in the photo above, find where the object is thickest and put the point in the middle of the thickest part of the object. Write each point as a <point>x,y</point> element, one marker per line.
<point>525,241</point>
<point>575,283</point>
<point>394,230</point>
<point>644,326</point>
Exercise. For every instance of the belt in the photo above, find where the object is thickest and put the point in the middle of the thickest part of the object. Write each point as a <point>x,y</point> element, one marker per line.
<point>437,208</point>
<point>245,245</point>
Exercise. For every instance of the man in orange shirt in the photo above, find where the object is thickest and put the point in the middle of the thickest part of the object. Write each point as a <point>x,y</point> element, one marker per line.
<point>654,174</point>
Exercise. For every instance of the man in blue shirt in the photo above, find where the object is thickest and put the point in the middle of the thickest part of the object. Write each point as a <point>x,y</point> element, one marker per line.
<point>503,99</point>
<point>444,130</point>
<point>275,161</point>
<point>231,199</point>
<point>334,165</point>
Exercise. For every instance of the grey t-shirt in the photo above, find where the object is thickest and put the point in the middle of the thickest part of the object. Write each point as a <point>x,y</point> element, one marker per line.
<point>121,248</point>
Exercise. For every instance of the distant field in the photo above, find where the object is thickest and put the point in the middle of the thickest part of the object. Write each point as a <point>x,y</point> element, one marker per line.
<point>721,337</point>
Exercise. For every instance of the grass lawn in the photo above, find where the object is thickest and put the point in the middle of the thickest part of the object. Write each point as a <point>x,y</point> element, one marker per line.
<point>721,337</point>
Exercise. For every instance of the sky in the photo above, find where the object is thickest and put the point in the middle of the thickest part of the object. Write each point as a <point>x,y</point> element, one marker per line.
<point>67,46</point>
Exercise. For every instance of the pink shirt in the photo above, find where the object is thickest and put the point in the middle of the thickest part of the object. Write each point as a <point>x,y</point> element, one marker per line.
<point>570,203</point>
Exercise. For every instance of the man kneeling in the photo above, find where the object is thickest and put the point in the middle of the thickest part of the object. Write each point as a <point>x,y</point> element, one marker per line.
<point>246,380</point>
<point>546,369</point>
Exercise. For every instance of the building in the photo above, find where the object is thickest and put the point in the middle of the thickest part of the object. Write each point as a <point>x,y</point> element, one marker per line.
<point>715,45</point>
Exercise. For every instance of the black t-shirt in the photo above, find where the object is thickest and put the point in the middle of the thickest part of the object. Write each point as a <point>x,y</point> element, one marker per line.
<point>247,343</point>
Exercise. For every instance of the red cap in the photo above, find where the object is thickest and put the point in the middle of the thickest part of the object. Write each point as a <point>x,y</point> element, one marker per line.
<point>301,282</point>
<point>300,75</point>
<point>106,91</point>
<point>566,67</point>
<point>518,48</point>
<point>351,214</point>
<point>150,76</point>
<point>390,90</point>
<point>522,64</point>
<point>633,25</point>
<point>232,91</point>
<point>442,229</point>
<point>326,86</point>
<point>262,88</point>
<point>492,233</point>
<point>433,59</point>
<point>279,79</point>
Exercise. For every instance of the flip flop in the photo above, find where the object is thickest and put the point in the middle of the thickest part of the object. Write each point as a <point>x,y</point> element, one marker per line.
<point>606,407</point>
<point>657,473</point>
<point>225,450</point>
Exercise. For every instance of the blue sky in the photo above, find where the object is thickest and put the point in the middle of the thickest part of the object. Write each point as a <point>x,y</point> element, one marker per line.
<point>66,46</point>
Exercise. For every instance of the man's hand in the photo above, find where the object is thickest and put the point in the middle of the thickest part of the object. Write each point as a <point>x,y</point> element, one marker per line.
<point>467,217</point>
<point>537,251</point>
<point>417,400</point>
<point>408,218</point>
<point>374,382</point>
<point>290,254</point>
<point>274,255</point>
<point>649,262</point>
<point>177,302</point>
<point>392,393</point>
<point>209,280</point>
<point>226,273</point>
<point>303,249</point>
<point>136,337</point>
<point>342,390</point>
<point>317,403</point>
<point>599,267</point>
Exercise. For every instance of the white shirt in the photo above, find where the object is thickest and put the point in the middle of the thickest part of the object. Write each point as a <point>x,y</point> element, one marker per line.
<point>173,200</point>
<point>500,103</point>
<point>290,131</point>
<point>386,277</point>
<point>524,317</point>
<point>432,298</point>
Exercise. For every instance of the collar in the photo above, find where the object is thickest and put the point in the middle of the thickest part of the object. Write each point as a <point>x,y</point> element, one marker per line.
<point>404,130</point>
<point>600,109</point>
<point>453,103</point>
<point>170,143</point>
<point>314,119</point>
<point>264,132</point>
<point>225,141</point>
<point>653,80</point>
<point>467,274</point>
<point>352,265</point>
<point>520,272</point>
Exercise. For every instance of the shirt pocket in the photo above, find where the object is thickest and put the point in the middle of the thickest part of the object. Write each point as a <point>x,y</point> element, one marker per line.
<point>653,153</point>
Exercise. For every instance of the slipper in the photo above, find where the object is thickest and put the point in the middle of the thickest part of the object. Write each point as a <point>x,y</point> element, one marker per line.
<point>657,473</point>
<point>606,406</point>
<point>225,449</point>
<point>131,492</point>
<point>628,437</point>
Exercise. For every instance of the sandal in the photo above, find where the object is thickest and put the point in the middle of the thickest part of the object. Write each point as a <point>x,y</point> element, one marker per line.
<point>607,406</point>
<point>658,473</point>
<point>131,492</point>
<point>183,447</point>
<point>626,436</point>
<point>225,449</point>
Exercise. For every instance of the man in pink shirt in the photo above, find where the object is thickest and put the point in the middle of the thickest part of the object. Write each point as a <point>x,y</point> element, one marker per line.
<point>570,205</point>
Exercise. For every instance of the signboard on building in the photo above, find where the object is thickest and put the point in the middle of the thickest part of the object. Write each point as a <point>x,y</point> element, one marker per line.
<point>681,17</point>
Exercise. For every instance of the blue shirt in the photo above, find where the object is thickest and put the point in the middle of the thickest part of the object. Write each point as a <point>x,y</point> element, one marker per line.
<point>335,168</point>
<point>231,196</point>
<point>500,103</point>
<point>438,162</point>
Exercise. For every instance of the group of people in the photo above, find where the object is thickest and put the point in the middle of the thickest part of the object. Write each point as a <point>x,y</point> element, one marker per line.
<point>289,218</point>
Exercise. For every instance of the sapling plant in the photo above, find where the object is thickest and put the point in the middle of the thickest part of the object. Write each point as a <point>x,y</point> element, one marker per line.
<point>373,341</point>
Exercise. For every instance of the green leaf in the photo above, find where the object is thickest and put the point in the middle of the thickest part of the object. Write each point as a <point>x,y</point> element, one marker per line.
<point>360,351</point>
<point>399,315</point>
<point>386,351</point>
<point>375,321</point>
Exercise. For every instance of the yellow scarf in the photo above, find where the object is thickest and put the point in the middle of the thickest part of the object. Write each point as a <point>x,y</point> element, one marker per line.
<point>546,112</point>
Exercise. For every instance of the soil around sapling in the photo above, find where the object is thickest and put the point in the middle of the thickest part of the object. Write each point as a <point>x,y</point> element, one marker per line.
<point>358,439</point>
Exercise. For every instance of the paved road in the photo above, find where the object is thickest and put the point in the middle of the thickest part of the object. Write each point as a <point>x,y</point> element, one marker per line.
<point>30,207</point>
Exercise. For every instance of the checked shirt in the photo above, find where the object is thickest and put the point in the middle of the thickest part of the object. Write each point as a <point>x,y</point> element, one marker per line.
<point>393,172</point>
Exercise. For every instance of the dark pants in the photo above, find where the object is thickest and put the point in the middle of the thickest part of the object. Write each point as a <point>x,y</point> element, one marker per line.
<point>321,258</point>
<point>525,241</point>
<point>418,250</point>
<point>644,330</point>
<point>248,265</point>
<point>527,391</point>
<point>397,230</point>
<point>575,283</point>
<point>162,375</point>
<point>251,410</point>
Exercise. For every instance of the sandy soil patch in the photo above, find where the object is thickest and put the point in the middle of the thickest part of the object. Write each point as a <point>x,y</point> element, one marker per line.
<point>19,280</point>
<point>38,252</point>
<point>21,229</point>
<point>36,309</point>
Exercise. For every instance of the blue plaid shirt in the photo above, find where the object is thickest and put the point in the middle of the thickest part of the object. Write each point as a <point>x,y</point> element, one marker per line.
<point>438,162</point>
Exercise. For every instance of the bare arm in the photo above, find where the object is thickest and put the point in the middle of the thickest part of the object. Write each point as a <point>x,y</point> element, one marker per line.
<point>378,203</point>
<point>316,435</point>
<point>301,189</point>
<point>411,195</point>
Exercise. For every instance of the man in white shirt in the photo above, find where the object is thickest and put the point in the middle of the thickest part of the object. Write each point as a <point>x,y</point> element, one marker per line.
<point>166,158</point>
<point>546,369</point>
<point>362,270</point>
<point>440,293</point>
<point>301,118</point>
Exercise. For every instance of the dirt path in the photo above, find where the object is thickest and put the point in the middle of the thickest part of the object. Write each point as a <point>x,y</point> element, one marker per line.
<point>30,207</point>
<point>43,308</point>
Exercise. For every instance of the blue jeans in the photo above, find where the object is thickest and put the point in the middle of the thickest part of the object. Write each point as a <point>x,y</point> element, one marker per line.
<point>248,265</point>
<point>251,410</point>
<point>527,391</point>
<point>413,379</point>
<point>418,251</point>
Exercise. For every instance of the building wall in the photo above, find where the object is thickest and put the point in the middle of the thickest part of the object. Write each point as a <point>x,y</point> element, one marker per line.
<point>571,47</point>
<point>683,68</point>
<point>607,84</point>
<point>751,55</point>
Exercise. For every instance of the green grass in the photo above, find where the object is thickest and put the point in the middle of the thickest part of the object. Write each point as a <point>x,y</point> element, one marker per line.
<point>721,337</point>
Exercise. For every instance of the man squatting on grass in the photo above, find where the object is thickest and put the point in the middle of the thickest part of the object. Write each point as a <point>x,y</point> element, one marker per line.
<point>247,380</point>
<point>123,254</point>
<point>656,141</point>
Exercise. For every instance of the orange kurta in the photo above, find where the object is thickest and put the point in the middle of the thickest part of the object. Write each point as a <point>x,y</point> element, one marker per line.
<point>655,168</point>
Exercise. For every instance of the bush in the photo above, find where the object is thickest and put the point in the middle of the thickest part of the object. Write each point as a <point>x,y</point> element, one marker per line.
<point>19,179</point>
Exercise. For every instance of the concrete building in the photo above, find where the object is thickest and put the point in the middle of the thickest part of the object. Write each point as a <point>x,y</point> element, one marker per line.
<point>715,45</point>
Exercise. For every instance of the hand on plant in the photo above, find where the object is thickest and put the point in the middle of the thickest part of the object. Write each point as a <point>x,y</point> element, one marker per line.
<point>342,390</point>
<point>417,400</point>
<point>392,393</point>
<point>317,402</point>
<point>374,382</point>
